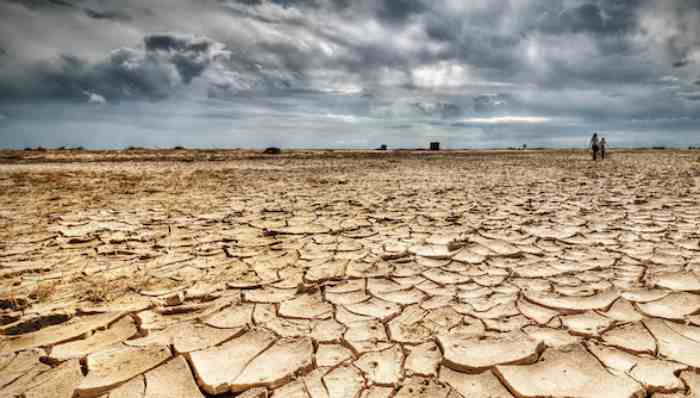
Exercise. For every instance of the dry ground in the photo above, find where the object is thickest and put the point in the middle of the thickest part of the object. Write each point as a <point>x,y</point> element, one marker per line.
<point>349,274</point>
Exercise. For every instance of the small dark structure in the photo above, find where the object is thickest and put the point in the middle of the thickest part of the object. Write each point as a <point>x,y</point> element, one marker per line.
<point>272,151</point>
<point>382,147</point>
<point>435,146</point>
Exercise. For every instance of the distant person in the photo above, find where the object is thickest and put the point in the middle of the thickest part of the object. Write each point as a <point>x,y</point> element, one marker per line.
<point>603,148</point>
<point>595,145</point>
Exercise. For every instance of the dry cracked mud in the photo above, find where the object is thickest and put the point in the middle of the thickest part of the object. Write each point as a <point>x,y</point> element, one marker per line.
<point>350,274</point>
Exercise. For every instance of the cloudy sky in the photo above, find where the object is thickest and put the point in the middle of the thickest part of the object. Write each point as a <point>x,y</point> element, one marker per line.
<point>348,73</point>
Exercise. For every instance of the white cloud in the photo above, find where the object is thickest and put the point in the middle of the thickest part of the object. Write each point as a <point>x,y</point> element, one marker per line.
<point>342,88</point>
<point>442,74</point>
<point>342,117</point>
<point>94,98</point>
<point>669,79</point>
<point>507,120</point>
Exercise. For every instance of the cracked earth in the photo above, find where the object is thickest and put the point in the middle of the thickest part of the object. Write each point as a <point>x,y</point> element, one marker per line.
<point>352,275</point>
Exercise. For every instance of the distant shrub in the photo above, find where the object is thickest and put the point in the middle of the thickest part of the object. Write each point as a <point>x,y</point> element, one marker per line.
<point>40,149</point>
<point>179,148</point>
<point>382,148</point>
<point>12,155</point>
<point>79,148</point>
<point>272,151</point>
<point>659,147</point>
<point>134,148</point>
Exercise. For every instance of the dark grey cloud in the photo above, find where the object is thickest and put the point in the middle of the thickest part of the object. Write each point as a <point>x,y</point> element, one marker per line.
<point>107,14</point>
<point>441,109</point>
<point>467,71</point>
<point>97,9</point>
<point>399,10</point>
<point>43,3</point>
<point>191,56</point>
<point>606,17</point>
<point>492,103</point>
<point>691,96</point>
<point>164,63</point>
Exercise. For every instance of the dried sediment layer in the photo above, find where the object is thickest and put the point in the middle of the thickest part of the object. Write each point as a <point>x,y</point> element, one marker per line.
<point>369,279</point>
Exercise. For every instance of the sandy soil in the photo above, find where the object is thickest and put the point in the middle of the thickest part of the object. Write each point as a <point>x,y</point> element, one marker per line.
<point>349,274</point>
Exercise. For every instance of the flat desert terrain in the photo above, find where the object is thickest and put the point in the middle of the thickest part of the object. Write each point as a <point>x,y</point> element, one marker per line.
<point>348,274</point>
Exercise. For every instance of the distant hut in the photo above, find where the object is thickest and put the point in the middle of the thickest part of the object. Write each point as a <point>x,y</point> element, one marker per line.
<point>435,146</point>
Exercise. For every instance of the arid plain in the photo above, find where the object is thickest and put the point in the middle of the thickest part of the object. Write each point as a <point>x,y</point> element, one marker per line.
<point>347,274</point>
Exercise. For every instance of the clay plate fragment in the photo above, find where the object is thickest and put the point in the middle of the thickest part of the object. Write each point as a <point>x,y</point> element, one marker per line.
<point>477,354</point>
<point>570,373</point>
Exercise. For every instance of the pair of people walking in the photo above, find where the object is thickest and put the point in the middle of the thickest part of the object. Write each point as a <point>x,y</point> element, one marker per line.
<point>599,147</point>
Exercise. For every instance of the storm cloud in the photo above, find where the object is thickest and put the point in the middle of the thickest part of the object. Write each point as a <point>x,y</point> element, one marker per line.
<point>339,73</point>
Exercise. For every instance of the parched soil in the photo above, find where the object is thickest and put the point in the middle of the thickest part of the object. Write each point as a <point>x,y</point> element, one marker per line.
<point>349,274</point>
